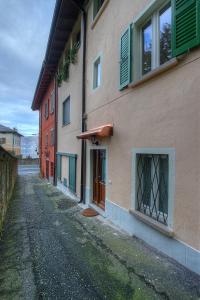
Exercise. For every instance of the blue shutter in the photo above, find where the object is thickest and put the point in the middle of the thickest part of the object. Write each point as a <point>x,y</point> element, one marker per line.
<point>72,173</point>
<point>125,57</point>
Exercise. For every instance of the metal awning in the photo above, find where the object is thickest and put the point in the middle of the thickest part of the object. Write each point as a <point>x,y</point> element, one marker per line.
<point>101,132</point>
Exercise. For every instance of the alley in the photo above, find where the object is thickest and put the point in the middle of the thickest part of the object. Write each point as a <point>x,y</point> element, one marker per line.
<point>49,251</point>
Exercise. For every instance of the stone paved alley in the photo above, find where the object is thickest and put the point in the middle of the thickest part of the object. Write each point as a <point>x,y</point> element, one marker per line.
<point>49,251</point>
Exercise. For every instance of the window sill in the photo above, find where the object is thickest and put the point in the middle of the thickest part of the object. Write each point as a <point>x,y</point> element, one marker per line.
<point>99,13</point>
<point>154,224</point>
<point>154,73</point>
<point>64,125</point>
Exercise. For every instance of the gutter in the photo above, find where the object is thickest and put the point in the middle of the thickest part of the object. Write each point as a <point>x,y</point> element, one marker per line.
<point>83,122</point>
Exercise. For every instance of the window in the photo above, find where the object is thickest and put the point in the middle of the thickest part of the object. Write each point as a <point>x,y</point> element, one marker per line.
<point>52,102</point>
<point>66,111</point>
<point>97,73</point>
<point>146,48</point>
<point>156,39</point>
<point>46,110</point>
<point>52,137</point>
<point>152,173</point>
<point>97,4</point>
<point>46,140</point>
<point>2,141</point>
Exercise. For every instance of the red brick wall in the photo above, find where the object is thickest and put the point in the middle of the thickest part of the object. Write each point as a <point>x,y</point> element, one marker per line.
<point>46,152</point>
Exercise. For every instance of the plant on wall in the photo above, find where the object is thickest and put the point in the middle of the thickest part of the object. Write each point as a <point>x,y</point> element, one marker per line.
<point>70,57</point>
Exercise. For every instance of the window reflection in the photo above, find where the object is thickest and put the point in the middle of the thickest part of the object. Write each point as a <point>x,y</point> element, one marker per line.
<point>165,34</point>
<point>147,47</point>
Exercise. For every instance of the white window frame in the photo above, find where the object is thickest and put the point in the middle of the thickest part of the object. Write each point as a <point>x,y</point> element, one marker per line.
<point>171,178</point>
<point>95,73</point>
<point>150,13</point>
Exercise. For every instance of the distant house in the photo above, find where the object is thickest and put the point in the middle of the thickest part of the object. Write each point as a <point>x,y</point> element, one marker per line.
<point>10,140</point>
<point>29,146</point>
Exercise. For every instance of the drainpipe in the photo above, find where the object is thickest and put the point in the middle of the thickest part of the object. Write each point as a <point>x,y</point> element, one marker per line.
<point>55,129</point>
<point>83,121</point>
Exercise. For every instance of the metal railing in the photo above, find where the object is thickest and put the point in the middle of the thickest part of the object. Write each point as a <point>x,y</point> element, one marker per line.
<point>8,174</point>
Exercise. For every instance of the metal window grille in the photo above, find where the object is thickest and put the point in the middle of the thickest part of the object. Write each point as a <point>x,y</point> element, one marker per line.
<point>152,186</point>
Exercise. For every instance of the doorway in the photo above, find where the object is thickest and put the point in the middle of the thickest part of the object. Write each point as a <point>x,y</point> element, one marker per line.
<point>99,177</point>
<point>47,169</point>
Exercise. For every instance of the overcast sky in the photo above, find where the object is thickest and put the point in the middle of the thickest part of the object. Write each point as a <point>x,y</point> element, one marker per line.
<point>24,30</point>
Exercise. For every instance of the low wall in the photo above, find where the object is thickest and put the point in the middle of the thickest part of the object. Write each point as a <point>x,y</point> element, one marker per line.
<point>8,173</point>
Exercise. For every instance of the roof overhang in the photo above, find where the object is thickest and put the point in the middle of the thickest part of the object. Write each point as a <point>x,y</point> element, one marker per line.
<point>98,132</point>
<point>64,18</point>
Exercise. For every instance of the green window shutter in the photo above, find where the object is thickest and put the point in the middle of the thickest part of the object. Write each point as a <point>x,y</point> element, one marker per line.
<point>125,57</point>
<point>59,166</point>
<point>72,173</point>
<point>186,25</point>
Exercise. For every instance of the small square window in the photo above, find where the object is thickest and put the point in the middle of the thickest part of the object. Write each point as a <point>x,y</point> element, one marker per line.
<point>152,175</point>
<point>66,111</point>
<point>97,73</point>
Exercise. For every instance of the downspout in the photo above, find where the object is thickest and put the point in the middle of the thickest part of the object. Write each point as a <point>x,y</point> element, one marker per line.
<point>55,129</point>
<point>83,143</point>
<point>83,118</point>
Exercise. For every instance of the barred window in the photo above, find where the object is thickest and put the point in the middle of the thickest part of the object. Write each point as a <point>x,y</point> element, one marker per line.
<point>152,186</point>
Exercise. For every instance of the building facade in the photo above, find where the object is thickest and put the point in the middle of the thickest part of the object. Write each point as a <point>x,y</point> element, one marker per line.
<point>46,106</point>
<point>141,119</point>
<point>10,140</point>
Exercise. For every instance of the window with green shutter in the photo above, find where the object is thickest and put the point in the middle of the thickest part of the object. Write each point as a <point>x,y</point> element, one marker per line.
<point>186,25</point>
<point>125,58</point>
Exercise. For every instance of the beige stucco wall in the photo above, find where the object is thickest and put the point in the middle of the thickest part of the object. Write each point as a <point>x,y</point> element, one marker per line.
<point>161,113</point>
<point>67,141</point>
<point>13,143</point>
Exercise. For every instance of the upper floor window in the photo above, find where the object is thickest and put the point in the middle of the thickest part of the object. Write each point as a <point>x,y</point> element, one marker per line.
<point>2,141</point>
<point>156,37</point>
<point>97,4</point>
<point>46,140</point>
<point>46,109</point>
<point>52,102</point>
<point>162,32</point>
<point>97,73</point>
<point>66,111</point>
<point>52,137</point>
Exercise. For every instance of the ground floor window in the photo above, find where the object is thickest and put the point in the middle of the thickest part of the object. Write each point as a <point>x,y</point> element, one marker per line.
<point>152,187</point>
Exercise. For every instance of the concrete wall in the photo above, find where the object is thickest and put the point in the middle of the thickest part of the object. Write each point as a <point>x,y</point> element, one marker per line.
<point>67,141</point>
<point>161,113</point>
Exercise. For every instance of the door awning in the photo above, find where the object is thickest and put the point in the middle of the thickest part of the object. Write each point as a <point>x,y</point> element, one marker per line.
<point>101,132</point>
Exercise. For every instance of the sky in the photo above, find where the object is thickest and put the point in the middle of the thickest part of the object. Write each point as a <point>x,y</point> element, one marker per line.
<point>24,31</point>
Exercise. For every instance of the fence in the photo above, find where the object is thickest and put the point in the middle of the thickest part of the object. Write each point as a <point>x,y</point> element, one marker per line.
<point>8,173</point>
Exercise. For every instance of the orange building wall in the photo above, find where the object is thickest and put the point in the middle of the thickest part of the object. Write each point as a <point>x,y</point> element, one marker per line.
<point>47,152</point>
